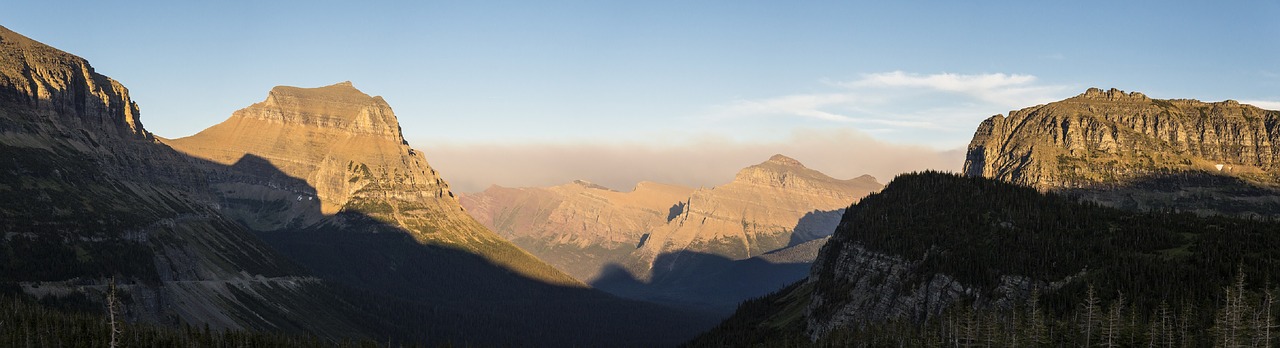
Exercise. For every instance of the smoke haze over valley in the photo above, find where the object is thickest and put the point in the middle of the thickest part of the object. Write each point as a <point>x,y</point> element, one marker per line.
<point>699,162</point>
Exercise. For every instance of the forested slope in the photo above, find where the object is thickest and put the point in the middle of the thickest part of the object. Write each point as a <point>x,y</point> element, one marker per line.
<point>937,258</point>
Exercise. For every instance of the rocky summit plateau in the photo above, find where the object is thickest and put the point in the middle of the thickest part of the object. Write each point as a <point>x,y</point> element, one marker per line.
<point>313,153</point>
<point>1129,150</point>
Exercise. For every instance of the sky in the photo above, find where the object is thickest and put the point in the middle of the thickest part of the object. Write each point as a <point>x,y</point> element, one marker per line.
<point>537,93</point>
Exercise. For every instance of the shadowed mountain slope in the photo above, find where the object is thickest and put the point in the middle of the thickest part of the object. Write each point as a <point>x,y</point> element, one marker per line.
<point>348,146</point>
<point>354,203</point>
<point>88,194</point>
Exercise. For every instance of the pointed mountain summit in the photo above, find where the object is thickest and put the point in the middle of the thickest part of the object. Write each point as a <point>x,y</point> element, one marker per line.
<point>785,172</point>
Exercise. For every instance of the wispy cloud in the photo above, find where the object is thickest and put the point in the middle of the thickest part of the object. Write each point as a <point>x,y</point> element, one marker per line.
<point>1009,90</point>
<point>901,100</point>
<point>1265,104</point>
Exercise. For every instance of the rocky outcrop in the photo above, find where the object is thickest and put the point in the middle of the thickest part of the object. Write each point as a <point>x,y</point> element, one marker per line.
<point>1109,136</point>
<point>872,287</point>
<point>62,91</point>
<point>1124,149</point>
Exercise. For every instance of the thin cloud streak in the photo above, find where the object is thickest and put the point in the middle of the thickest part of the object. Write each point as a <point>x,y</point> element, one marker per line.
<point>1265,104</point>
<point>698,162</point>
<point>883,99</point>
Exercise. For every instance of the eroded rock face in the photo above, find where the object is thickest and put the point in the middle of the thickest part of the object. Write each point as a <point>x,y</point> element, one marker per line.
<point>766,207</point>
<point>1131,151</point>
<point>873,287</point>
<point>335,138</point>
<point>1110,136</point>
<point>63,88</point>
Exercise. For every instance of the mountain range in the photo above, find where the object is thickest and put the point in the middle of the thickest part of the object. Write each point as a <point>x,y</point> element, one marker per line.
<point>711,247</point>
<point>1108,218</point>
<point>305,213</point>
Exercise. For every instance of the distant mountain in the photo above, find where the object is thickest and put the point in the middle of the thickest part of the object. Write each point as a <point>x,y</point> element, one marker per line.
<point>578,227</point>
<point>672,244</point>
<point>87,194</point>
<point>938,258</point>
<point>1131,151</point>
<point>325,176</point>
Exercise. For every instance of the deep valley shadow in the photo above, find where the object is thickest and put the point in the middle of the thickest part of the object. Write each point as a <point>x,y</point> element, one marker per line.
<point>716,283</point>
<point>437,294</point>
<point>700,280</point>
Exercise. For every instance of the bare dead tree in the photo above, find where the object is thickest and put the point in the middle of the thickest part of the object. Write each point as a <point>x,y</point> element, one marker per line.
<point>1090,315</point>
<point>112,305</point>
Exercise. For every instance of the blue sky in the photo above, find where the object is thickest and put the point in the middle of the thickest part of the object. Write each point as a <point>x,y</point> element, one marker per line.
<point>665,74</point>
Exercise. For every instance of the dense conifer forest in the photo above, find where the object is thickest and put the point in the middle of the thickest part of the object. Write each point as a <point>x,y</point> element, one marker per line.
<point>1124,278</point>
<point>67,322</point>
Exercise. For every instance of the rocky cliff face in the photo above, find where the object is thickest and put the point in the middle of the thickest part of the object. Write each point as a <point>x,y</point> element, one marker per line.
<point>578,213</point>
<point>62,91</point>
<point>1104,140</point>
<point>343,160</point>
<point>766,207</point>
<point>89,194</point>
<point>673,243</point>
<point>334,138</point>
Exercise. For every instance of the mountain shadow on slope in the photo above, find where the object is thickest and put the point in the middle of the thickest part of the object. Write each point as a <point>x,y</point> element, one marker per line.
<point>449,294</point>
<point>810,221</point>
<point>1199,192</point>
<point>90,194</point>
<point>708,281</point>
<point>71,223</point>
<point>693,279</point>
